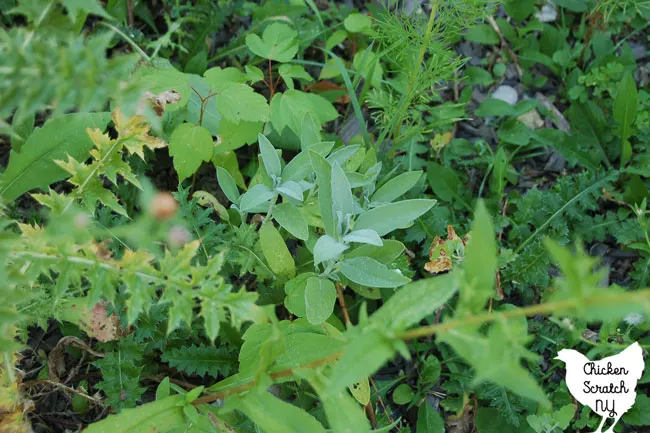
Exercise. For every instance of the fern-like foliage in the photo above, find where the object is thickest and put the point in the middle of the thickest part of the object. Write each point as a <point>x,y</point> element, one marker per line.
<point>202,360</point>
<point>417,48</point>
<point>555,213</point>
<point>121,371</point>
<point>509,405</point>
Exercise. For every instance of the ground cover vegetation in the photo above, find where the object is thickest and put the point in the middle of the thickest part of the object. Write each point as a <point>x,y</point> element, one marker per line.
<point>300,216</point>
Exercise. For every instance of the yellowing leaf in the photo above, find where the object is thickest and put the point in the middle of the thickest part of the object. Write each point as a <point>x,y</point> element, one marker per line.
<point>361,391</point>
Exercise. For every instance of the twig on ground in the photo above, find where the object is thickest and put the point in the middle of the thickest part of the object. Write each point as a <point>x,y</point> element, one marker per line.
<point>558,119</point>
<point>506,46</point>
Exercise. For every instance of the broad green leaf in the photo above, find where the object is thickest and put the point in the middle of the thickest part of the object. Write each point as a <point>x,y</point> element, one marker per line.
<point>228,185</point>
<point>289,108</point>
<point>22,125</point>
<point>163,77</point>
<point>573,5</point>
<point>278,43</point>
<point>367,349</point>
<point>289,71</point>
<point>254,74</point>
<point>269,157</point>
<point>640,412</point>
<point>384,219</point>
<point>368,64</point>
<point>263,343</point>
<point>504,342</point>
<point>569,146</point>
<point>323,171</point>
<point>480,262</point>
<point>276,252</point>
<point>494,107</point>
<point>306,343</point>
<point>343,154</point>
<point>415,301</point>
<point>356,22</point>
<point>190,145</point>
<point>431,370</point>
<point>166,413</point>
<point>300,166</point>
<point>273,415</point>
<point>34,167</point>
<point>512,131</point>
<point>364,236</point>
<point>386,254</point>
<point>163,390</point>
<point>429,421</point>
<point>219,79</point>
<point>336,38</point>
<point>320,296</point>
<point>396,187</point>
<point>85,6</point>
<point>235,135</point>
<point>403,394</point>
<point>343,413</point>
<point>444,182</point>
<point>327,248</point>
<point>239,102</point>
<point>589,125</point>
<point>290,189</point>
<point>256,196</point>
<point>491,420</point>
<point>625,113</point>
<point>204,112</point>
<point>371,273</point>
<point>290,219</point>
<point>295,290</point>
<point>342,200</point>
<point>482,34</point>
<point>331,68</point>
<point>310,134</point>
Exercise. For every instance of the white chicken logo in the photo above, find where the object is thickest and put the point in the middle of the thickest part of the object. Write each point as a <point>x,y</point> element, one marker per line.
<point>606,386</point>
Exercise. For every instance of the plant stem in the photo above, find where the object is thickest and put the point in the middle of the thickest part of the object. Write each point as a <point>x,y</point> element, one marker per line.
<point>130,41</point>
<point>250,384</point>
<point>406,99</point>
<point>9,366</point>
<point>107,266</point>
<point>532,310</point>
<point>344,308</point>
<point>638,297</point>
<point>271,87</point>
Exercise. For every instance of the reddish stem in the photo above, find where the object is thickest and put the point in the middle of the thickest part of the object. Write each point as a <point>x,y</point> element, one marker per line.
<point>271,87</point>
